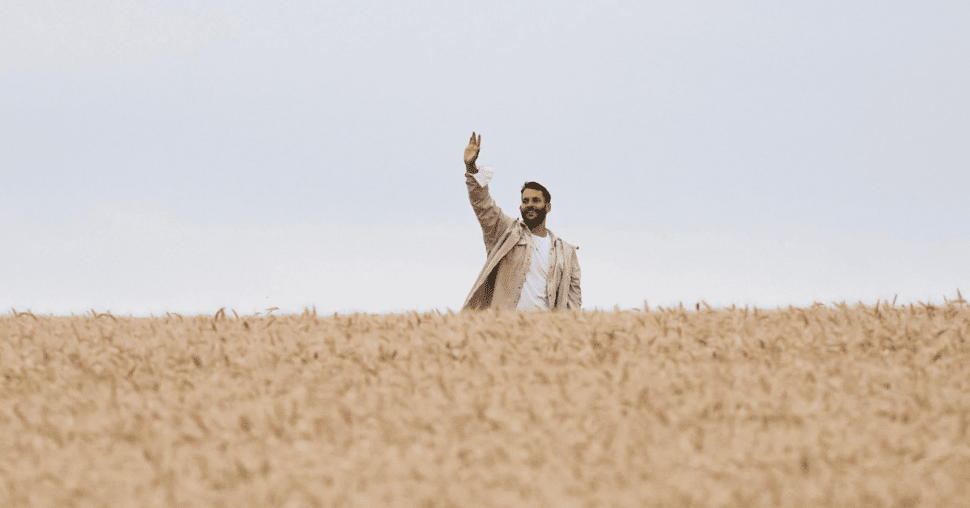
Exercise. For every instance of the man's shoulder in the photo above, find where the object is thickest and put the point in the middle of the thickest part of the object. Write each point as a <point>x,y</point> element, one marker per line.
<point>566,245</point>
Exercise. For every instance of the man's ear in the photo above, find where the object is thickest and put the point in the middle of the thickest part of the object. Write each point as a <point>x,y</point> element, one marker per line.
<point>548,207</point>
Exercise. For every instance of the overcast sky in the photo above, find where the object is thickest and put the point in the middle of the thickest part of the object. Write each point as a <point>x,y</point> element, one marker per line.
<point>182,156</point>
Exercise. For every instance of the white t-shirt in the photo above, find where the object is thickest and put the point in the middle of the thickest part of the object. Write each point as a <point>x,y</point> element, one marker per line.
<point>534,295</point>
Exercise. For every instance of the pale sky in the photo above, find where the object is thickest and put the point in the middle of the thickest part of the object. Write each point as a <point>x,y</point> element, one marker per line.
<point>182,156</point>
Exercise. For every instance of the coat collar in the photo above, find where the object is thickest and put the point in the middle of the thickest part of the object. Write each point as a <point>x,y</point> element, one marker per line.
<point>523,229</point>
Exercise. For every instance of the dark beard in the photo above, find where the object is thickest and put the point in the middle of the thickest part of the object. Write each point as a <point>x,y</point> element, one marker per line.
<point>540,216</point>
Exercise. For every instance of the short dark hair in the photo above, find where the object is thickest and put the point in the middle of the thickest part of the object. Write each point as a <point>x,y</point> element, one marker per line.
<point>538,187</point>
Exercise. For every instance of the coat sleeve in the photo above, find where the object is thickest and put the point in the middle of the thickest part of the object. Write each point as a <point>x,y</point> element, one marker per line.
<point>575,297</point>
<point>494,222</point>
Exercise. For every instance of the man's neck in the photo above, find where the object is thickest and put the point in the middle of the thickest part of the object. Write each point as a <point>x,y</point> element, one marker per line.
<point>539,230</point>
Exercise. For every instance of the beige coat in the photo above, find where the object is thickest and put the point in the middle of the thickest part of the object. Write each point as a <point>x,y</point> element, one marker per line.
<point>509,253</point>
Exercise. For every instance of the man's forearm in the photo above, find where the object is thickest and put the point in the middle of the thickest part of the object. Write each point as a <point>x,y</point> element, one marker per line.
<point>471,168</point>
<point>490,216</point>
<point>575,293</point>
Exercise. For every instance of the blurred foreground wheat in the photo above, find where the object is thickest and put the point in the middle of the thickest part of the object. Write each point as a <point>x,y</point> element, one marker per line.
<point>821,406</point>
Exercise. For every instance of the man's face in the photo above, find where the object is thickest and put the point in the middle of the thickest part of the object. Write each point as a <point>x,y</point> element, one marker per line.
<point>534,207</point>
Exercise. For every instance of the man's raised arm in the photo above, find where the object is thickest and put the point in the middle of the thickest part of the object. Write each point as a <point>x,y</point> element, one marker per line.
<point>493,221</point>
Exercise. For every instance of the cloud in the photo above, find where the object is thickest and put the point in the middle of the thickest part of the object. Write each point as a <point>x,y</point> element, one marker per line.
<point>132,258</point>
<point>66,35</point>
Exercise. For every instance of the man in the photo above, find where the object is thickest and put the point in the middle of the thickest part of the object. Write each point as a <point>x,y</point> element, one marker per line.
<point>528,268</point>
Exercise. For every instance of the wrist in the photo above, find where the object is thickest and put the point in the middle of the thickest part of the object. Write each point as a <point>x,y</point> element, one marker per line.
<point>471,168</point>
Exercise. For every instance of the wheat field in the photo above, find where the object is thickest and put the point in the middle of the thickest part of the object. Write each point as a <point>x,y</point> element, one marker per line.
<point>853,406</point>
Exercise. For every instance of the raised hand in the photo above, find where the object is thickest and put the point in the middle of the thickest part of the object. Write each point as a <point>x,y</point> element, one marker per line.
<point>471,152</point>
